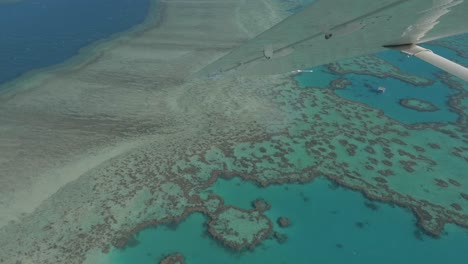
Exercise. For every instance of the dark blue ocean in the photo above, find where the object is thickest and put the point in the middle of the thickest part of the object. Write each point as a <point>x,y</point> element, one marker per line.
<point>41,33</point>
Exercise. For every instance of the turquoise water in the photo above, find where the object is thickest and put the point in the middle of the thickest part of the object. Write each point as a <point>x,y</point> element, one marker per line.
<point>319,78</point>
<point>55,30</point>
<point>437,93</point>
<point>329,225</point>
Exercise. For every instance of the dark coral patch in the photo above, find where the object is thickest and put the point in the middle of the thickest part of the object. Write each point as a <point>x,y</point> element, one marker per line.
<point>456,207</point>
<point>380,180</point>
<point>398,141</point>
<point>434,145</point>
<point>175,258</point>
<point>369,150</point>
<point>284,222</point>
<point>387,162</point>
<point>341,82</point>
<point>441,183</point>
<point>343,142</point>
<point>418,105</point>
<point>408,165</point>
<point>260,205</point>
<point>173,225</point>
<point>388,155</point>
<point>304,197</point>
<point>351,149</point>
<point>418,234</point>
<point>361,139</point>
<point>226,227</point>
<point>372,206</point>
<point>423,214</point>
<point>385,173</point>
<point>281,238</point>
<point>464,195</point>
<point>131,242</point>
<point>454,182</point>
<point>418,148</point>
<point>360,225</point>
<point>387,150</point>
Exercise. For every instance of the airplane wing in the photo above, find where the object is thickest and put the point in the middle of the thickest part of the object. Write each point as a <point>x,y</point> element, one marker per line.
<point>331,30</point>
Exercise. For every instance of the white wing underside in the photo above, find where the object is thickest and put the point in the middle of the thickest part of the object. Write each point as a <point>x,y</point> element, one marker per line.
<point>331,30</point>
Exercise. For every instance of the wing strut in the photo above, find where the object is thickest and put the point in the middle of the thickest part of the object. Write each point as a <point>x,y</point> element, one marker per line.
<point>434,59</point>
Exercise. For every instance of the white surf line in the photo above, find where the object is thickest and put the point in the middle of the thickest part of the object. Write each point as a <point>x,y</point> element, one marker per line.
<point>430,19</point>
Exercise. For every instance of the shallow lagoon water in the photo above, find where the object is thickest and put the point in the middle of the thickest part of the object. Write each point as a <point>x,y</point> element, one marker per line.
<point>396,90</point>
<point>436,93</point>
<point>329,225</point>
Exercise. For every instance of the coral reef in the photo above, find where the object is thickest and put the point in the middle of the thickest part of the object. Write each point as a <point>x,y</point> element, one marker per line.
<point>175,258</point>
<point>240,229</point>
<point>190,133</point>
<point>261,205</point>
<point>375,66</point>
<point>418,105</point>
<point>284,221</point>
<point>281,238</point>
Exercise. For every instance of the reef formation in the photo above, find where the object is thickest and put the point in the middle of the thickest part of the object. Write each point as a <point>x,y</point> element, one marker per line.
<point>175,258</point>
<point>185,134</point>
<point>418,105</point>
<point>239,229</point>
